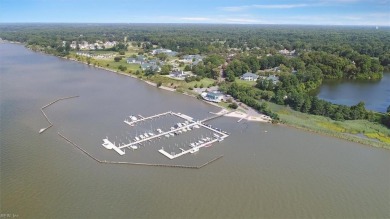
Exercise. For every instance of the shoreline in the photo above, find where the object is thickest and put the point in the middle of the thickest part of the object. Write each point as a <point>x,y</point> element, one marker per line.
<point>233,114</point>
<point>240,115</point>
<point>237,114</point>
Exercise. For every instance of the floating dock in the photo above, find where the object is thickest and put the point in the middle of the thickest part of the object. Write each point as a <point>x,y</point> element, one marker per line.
<point>190,124</point>
<point>192,150</point>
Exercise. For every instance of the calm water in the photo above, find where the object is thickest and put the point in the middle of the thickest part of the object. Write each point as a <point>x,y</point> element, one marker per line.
<point>375,94</point>
<point>281,173</point>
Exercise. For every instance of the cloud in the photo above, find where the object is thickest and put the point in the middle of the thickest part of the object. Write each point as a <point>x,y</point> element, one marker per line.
<point>195,18</point>
<point>275,6</point>
<point>243,21</point>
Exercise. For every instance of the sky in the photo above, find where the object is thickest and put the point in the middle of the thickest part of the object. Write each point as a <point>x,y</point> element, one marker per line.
<point>315,12</point>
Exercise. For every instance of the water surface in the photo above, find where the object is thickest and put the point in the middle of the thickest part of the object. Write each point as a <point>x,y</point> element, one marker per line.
<point>281,173</point>
<point>375,94</point>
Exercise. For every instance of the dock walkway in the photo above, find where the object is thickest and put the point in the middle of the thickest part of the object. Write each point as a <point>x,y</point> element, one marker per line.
<point>132,123</point>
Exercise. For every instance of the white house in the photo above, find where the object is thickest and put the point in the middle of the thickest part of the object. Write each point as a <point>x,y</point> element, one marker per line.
<point>273,78</point>
<point>249,76</point>
<point>192,58</point>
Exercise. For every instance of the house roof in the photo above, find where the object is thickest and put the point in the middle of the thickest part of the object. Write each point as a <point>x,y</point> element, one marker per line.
<point>214,94</point>
<point>249,74</point>
<point>192,57</point>
<point>148,65</point>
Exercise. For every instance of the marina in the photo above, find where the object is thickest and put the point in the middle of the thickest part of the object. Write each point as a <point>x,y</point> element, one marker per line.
<point>189,124</point>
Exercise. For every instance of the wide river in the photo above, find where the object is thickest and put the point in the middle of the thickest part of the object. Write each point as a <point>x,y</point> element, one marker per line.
<point>268,171</point>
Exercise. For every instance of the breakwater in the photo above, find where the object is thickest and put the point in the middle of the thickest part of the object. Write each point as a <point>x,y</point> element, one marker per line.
<point>135,163</point>
<point>49,104</point>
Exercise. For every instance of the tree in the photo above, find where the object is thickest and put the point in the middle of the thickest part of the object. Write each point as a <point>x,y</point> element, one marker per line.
<point>159,84</point>
<point>187,68</point>
<point>388,109</point>
<point>162,56</point>
<point>117,58</point>
<point>233,105</point>
<point>122,68</point>
<point>165,69</point>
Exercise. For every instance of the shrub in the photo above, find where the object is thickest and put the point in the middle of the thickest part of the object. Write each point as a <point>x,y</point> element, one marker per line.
<point>233,105</point>
<point>159,84</point>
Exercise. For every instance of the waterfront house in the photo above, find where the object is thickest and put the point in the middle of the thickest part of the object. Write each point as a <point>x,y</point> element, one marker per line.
<point>138,60</point>
<point>178,75</point>
<point>214,96</point>
<point>249,76</point>
<point>154,67</point>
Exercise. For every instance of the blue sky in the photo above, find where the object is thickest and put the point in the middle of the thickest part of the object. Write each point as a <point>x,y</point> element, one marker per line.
<point>324,12</point>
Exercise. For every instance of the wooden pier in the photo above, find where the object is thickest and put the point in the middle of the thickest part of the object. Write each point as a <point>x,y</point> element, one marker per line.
<point>44,114</point>
<point>135,163</point>
<point>214,117</point>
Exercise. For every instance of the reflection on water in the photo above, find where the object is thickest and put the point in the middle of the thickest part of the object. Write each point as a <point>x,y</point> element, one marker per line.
<point>267,171</point>
<point>375,94</point>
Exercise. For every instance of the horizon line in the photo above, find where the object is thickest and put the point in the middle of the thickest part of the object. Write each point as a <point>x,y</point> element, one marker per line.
<point>194,23</point>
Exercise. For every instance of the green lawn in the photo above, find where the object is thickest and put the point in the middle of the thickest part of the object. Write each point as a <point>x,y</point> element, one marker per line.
<point>239,81</point>
<point>205,81</point>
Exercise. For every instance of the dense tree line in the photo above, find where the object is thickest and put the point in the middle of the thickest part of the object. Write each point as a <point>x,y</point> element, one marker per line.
<point>250,97</point>
<point>292,90</point>
<point>209,67</point>
<point>210,38</point>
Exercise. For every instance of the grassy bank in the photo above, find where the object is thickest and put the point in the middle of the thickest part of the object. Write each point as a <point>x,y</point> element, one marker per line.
<point>361,131</point>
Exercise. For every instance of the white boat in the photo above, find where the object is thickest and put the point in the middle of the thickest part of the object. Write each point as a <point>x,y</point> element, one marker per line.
<point>184,130</point>
<point>215,135</point>
<point>167,135</point>
<point>151,134</point>
<point>201,142</point>
<point>220,139</point>
<point>194,150</point>
<point>134,147</point>
<point>142,136</point>
<point>159,131</point>
<point>133,118</point>
<point>107,144</point>
<point>180,132</point>
<point>192,145</point>
<point>171,134</point>
<point>196,126</point>
<point>136,138</point>
<point>146,135</point>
